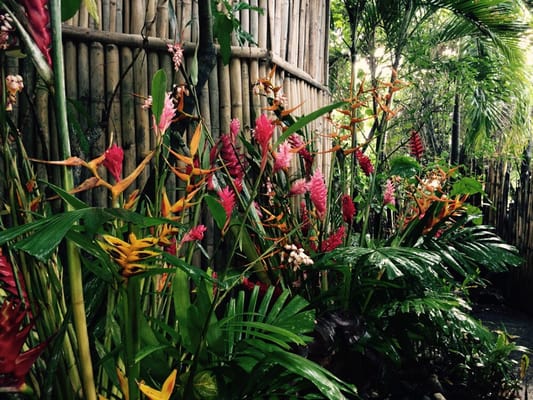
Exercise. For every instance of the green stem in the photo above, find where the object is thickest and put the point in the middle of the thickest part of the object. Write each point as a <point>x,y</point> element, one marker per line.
<point>131,335</point>
<point>73,256</point>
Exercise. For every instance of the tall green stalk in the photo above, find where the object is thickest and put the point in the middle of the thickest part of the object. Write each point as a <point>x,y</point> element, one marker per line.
<point>73,256</point>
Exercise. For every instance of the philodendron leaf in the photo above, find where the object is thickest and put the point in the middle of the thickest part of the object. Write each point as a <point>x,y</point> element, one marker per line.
<point>69,8</point>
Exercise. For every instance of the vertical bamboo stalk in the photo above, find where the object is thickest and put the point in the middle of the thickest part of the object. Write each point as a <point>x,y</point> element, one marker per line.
<point>284,27</point>
<point>97,107</point>
<point>236,88</point>
<point>225,96</point>
<point>255,100</point>
<point>119,18</point>
<point>214,103</point>
<point>186,14</point>
<point>254,22</point>
<point>127,105</point>
<point>245,94</point>
<point>262,37</point>
<point>162,21</point>
<point>294,32</point>
<point>304,22</point>
<point>112,67</point>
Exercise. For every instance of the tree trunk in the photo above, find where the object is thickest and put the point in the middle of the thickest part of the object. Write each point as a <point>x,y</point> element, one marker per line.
<point>456,130</point>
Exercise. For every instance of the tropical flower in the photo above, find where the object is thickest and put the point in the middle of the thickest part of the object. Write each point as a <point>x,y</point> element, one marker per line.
<point>14,85</point>
<point>318,193</point>
<point>176,50</point>
<point>15,364</point>
<point>38,18</point>
<point>348,208</point>
<point>283,157</point>
<point>166,390</point>
<point>416,146</point>
<point>298,145</point>
<point>299,186</point>
<point>130,256</point>
<point>196,233</point>
<point>388,195</point>
<point>264,129</point>
<point>234,127</point>
<point>167,115</point>
<point>227,200</point>
<point>333,241</point>
<point>114,156</point>
<point>364,162</point>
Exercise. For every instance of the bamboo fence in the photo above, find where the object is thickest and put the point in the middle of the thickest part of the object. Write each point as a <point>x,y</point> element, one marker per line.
<point>109,67</point>
<point>510,210</point>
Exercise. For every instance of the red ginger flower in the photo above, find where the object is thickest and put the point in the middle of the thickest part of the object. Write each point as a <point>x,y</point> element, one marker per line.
<point>196,233</point>
<point>364,162</point>
<point>333,241</point>
<point>415,145</point>
<point>15,364</point>
<point>388,195</point>
<point>283,157</point>
<point>264,129</point>
<point>114,156</point>
<point>348,208</point>
<point>231,159</point>
<point>318,193</point>
<point>298,144</point>
<point>38,18</point>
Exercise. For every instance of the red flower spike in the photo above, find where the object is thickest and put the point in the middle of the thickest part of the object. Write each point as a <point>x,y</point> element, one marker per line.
<point>39,19</point>
<point>114,156</point>
<point>348,208</point>
<point>15,365</point>
<point>364,162</point>
<point>415,145</point>
<point>333,241</point>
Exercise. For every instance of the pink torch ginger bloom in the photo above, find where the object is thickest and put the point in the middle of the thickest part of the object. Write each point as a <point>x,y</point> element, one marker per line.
<point>318,193</point>
<point>113,161</point>
<point>264,129</point>
<point>298,187</point>
<point>348,208</point>
<point>177,54</point>
<point>283,157</point>
<point>167,116</point>
<point>195,234</point>
<point>388,195</point>
<point>227,200</point>
<point>334,241</point>
<point>234,127</point>
<point>364,162</point>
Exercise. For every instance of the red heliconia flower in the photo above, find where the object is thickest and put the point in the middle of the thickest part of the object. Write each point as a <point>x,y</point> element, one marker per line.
<point>333,241</point>
<point>39,20</point>
<point>348,208</point>
<point>114,156</point>
<point>416,146</point>
<point>8,280</point>
<point>318,193</point>
<point>364,162</point>
<point>388,195</point>
<point>15,364</point>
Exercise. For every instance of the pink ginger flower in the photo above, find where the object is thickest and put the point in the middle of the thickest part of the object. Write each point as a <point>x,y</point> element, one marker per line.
<point>364,162</point>
<point>348,208</point>
<point>318,193</point>
<point>177,54</point>
<point>264,129</point>
<point>227,200</point>
<point>283,157</point>
<point>234,127</point>
<point>333,241</point>
<point>388,195</point>
<point>167,116</point>
<point>299,186</point>
<point>195,234</point>
<point>114,156</point>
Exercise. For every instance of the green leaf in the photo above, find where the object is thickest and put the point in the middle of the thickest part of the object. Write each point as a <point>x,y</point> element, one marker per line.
<point>466,186</point>
<point>92,8</point>
<point>223,31</point>
<point>404,166</point>
<point>159,87</point>
<point>303,121</point>
<point>69,8</point>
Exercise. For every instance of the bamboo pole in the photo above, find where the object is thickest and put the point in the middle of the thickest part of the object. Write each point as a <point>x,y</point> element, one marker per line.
<point>186,14</point>
<point>283,28</point>
<point>262,38</point>
<point>225,96</point>
<point>128,115</point>
<point>256,101</point>
<point>119,19</point>
<point>97,107</point>
<point>294,32</point>
<point>236,88</point>
<point>113,90</point>
<point>254,23</point>
<point>245,94</point>
<point>302,41</point>
<point>214,103</point>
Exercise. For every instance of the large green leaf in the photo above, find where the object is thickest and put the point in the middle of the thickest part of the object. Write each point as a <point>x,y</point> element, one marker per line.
<point>159,87</point>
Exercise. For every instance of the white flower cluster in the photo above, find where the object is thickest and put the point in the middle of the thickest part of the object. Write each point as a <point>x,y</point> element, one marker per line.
<point>297,256</point>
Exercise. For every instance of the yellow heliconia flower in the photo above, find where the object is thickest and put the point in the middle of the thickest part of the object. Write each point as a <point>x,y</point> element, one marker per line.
<point>166,390</point>
<point>129,255</point>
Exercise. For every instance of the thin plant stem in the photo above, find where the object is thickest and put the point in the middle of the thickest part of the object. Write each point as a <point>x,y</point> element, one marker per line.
<point>73,256</point>
<point>131,335</point>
